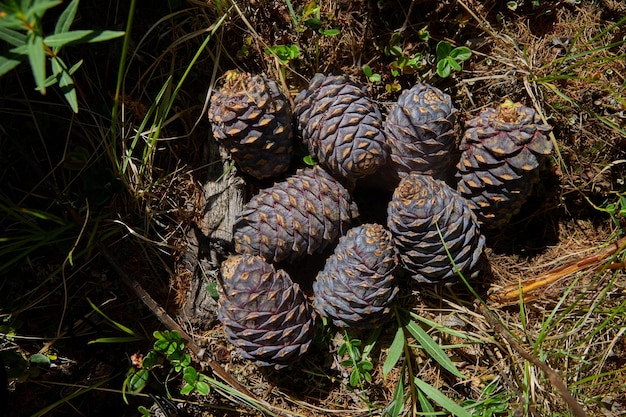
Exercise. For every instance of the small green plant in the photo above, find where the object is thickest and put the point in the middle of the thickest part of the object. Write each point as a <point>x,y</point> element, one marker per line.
<point>449,58</point>
<point>284,53</point>
<point>310,17</point>
<point>360,362</point>
<point>21,26</point>
<point>168,351</point>
<point>401,350</point>
<point>371,76</point>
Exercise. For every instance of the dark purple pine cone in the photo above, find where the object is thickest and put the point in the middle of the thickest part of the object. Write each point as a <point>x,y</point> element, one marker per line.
<point>341,126</point>
<point>356,288</point>
<point>423,207</point>
<point>252,119</point>
<point>503,151</point>
<point>264,313</point>
<point>420,131</point>
<point>298,216</point>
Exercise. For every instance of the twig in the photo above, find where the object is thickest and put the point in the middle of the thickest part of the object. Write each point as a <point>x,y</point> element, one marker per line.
<point>552,375</point>
<point>511,293</point>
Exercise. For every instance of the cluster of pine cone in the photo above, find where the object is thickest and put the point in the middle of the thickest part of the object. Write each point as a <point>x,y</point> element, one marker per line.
<point>444,199</point>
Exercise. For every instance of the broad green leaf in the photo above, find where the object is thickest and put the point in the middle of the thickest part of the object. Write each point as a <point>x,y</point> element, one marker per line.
<point>66,18</point>
<point>12,37</point>
<point>455,65</point>
<point>37,58</point>
<point>186,390</point>
<point>443,49</point>
<point>203,388</point>
<point>443,68</point>
<point>432,348</point>
<point>445,402</point>
<point>81,36</point>
<point>40,360</point>
<point>461,53</point>
<point>394,353</point>
<point>190,375</point>
<point>138,380</point>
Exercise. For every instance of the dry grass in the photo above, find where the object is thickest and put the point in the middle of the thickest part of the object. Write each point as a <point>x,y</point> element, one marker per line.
<point>558,58</point>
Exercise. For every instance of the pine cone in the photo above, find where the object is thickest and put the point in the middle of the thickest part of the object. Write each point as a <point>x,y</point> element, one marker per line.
<point>264,313</point>
<point>252,118</point>
<point>298,216</point>
<point>341,127</point>
<point>420,130</point>
<point>356,288</point>
<point>420,209</point>
<point>502,153</point>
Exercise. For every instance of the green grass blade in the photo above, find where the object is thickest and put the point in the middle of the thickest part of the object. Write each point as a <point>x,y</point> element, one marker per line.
<point>445,402</point>
<point>110,320</point>
<point>432,348</point>
<point>394,353</point>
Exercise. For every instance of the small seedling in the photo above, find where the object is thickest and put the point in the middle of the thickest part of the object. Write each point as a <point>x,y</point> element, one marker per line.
<point>450,58</point>
<point>360,362</point>
<point>371,76</point>
<point>169,350</point>
<point>284,53</point>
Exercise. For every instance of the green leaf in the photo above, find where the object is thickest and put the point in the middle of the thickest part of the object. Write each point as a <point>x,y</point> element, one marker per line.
<point>203,388</point>
<point>66,18</point>
<point>116,324</point>
<point>81,36</point>
<point>12,37</point>
<point>9,61</point>
<point>394,353</point>
<point>461,53</point>
<point>37,58</point>
<point>366,366</point>
<point>138,380</point>
<point>211,288</point>
<point>187,389</point>
<point>36,10</point>
<point>123,339</point>
<point>443,68</point>
<point>432,348</point>
<point>425,405</point>
<point>309,160</point>
<point>455,65</point>
<point>190,375</point>
<point>330,32</point>
<point>443,49</point>
<point>355,378</point>
<point>397,403</point>
<point>40,360</point>
<point>445,402</point>
<point>150,360</point>
<point>66,83</point>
